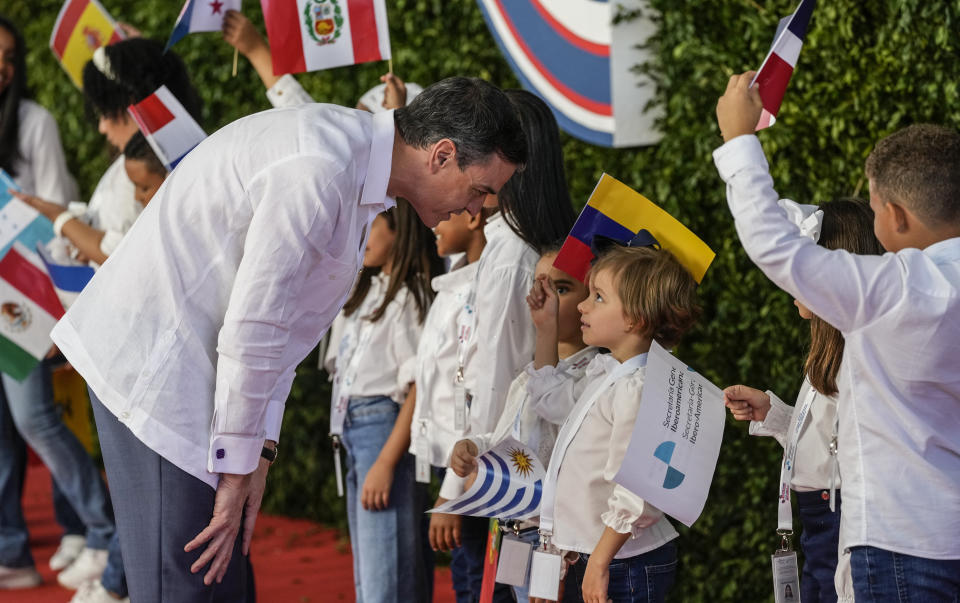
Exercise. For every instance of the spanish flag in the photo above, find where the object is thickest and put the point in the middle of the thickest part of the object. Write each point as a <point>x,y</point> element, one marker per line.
<point>617,212</point>
<point>82,26</point>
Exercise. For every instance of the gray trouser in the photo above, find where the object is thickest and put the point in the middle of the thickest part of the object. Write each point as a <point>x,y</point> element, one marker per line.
<point>159,508</point>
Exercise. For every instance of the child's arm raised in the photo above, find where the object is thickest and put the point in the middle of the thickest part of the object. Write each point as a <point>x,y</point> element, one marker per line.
<point>544,310</point>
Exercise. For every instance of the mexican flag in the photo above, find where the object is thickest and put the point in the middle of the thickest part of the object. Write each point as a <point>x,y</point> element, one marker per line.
<point>29,308</point>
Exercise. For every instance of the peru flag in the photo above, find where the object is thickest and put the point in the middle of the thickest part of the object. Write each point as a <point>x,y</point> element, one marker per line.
<point>774,74</point>
<point>310,35</point>
<point>168,127</point>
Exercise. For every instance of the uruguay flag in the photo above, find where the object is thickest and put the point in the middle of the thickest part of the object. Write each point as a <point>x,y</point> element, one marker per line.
<point>574,56</point>
<point>509,485</point>
<point>168,127</point>
<point>200,15</point>
<point>774,74</point>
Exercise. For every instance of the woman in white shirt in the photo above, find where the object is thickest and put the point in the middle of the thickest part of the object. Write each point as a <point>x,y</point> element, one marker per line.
<point>808,430</point>
<point>372,408</point>
<point>620,545</point>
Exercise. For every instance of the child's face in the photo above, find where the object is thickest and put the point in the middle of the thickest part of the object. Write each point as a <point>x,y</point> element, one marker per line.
<point>379,250</point>
<point>453,235</point>
<point>145,182</point>
<point>118,130</point>
<point>570,292</point>
<point>603,322</point>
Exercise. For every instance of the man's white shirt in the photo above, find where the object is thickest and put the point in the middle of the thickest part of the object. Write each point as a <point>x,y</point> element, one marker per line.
<point>192,332</point>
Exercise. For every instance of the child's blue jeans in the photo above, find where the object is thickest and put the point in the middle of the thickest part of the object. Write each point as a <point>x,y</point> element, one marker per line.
<point>641,579</point>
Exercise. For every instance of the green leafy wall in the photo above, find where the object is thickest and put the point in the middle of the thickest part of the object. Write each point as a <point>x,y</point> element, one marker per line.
<point>867,68</point>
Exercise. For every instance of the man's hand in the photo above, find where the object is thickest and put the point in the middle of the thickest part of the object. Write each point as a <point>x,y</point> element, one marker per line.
<point>375,495</point>
<point>739,109</point>
<point>238,499</point>
<point>746,403</point>
<point>463,459</point>
<point>395,92</point>
<point>444,533</point>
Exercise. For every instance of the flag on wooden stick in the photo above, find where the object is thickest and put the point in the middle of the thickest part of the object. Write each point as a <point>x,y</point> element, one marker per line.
<point>774,74</point>
<point>200,15</point>
<point>310,35</point>
<point>81,27</point>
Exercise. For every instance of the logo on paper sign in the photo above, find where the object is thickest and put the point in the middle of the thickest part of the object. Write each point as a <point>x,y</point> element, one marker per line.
<point>674,477</point>
<point>16,317</point>
<point>324,20</point>
<point>522,463</point>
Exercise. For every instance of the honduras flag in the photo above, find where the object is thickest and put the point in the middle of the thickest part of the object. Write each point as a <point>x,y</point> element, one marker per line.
<point>200,15</point>
<point>509,485</point>
<point>18,221</point>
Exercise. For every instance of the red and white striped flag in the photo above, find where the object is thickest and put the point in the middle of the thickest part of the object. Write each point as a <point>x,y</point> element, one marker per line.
<point>774,74</point>
<point>310,35</point>
<point>169,128</point>
<point>29,308</point>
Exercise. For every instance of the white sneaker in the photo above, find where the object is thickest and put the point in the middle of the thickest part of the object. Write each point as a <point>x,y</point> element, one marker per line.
<point>67,552</point>
<point>88,566</point>
<point>19,577</point>
<point>94,592</point>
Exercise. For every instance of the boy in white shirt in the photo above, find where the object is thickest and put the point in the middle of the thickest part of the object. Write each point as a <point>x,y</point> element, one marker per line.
<point>899,448</point>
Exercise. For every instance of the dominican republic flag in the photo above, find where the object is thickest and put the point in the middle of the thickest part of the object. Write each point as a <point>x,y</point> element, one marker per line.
<point>200,15</point>
<point>68,275</point>
<point>29,308</point>
<point>169,128</point>
<point>310,35</point>
<point>509,485</point>
<point>774,74</point>
<point>571,54</point>
<point>81,27</point>
<point>617,212</point>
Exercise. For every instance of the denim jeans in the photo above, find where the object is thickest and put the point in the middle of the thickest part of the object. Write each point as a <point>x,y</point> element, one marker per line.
<point>35,417</point>
<point>880,575</point>
<point>641,579</point>
<point>466,563</point>
<point>387,549</point>
<point>820,542</point>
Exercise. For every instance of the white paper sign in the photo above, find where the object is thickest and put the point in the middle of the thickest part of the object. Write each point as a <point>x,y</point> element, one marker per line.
<point>676,440</point>
<point>509,485</point>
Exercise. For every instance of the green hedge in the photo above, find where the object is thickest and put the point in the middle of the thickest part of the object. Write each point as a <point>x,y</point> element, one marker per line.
<point>867,68</point>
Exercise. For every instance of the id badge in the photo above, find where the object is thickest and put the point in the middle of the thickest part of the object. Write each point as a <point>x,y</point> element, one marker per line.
<point>338,414</point>
<point>545,570</point>
<point>461,400</point>
<point>514,561</point>
<point>336,465</point>
<point>422,453</point>
<point>786,580</point>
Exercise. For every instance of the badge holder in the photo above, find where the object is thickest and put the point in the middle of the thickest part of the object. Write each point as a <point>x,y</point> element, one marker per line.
<point>336,464</point>
<point>422,454</point>
<point>786,577</point>
<point>514,559</point>
<point>546,570</point>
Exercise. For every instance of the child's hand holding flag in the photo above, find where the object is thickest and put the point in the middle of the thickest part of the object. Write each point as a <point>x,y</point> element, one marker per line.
<point>738,110</point>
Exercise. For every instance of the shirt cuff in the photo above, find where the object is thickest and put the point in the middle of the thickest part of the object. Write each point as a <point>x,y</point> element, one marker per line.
<point>452,485</point>
<point>777,421</point>
<point>287,92</point>
<point>110,241</point>
<point>741,152</point>
<point>273,419</point>
<point>234,454</point>
<point>627,513</point>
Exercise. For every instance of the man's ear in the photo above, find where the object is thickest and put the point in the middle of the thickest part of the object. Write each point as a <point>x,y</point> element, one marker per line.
<point>441,153</point>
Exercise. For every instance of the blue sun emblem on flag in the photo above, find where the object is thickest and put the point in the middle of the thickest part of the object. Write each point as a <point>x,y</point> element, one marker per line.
<point>522,462</point>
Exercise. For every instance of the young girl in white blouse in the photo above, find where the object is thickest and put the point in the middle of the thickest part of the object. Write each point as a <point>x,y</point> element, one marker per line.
<point>374,375</point>
<point>553,304</point>
<point>808,430</point>
<point>620,545</point>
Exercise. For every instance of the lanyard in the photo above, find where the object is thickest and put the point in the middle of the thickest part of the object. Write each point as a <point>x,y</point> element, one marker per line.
<point>345,379</point>
<point>784,510</point>
<point>569,430</point>
<point>466,325</point>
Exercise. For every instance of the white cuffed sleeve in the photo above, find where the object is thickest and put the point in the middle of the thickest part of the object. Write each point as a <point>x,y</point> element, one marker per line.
<point>777,421</point>
<point>288,92</point>
<point>452,486</point>
<point>551,392</point>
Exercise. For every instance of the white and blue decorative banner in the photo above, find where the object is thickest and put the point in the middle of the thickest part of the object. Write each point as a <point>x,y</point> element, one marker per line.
<point>572,55</point>
<point>509,485</point>
<point>676,439</point>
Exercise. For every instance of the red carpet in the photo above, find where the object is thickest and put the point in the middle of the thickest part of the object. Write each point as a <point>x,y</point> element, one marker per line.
<point>295,561</point>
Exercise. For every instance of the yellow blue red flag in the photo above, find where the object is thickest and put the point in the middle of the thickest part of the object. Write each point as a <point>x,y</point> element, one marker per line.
<point>617,212</point>
<point>81,27</point>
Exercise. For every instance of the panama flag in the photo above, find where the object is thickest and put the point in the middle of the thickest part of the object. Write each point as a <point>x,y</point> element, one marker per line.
<point>509,485</point>
<point>774,74</point>
<point>29,308</point>
<point>200,15</point>
<point>310,35</point>
<point>617,212</point>
<point>68,275</point>
<point>167,125</point>
<point>580,59</point>
<point>81,27</point>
